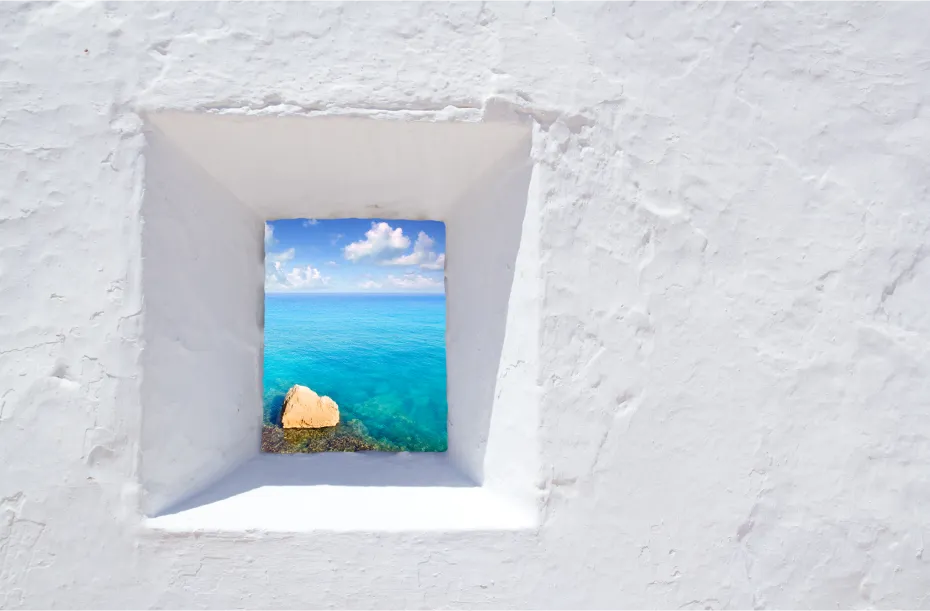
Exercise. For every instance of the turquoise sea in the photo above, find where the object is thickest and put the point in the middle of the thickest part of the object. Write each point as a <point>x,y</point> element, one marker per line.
<point>380,357</point>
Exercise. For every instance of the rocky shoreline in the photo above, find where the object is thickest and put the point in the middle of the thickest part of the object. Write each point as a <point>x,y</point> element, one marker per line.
<point>348,437</point>
<point>311,423</point>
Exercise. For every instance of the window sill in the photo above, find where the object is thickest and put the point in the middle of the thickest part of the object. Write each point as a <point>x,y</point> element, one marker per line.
<point>345,492</point>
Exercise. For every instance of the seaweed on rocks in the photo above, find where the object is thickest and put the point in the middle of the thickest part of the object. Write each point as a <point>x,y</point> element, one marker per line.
<point>348,437</point>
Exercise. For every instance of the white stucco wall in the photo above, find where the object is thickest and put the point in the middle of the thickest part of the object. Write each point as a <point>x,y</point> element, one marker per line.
<point>211,181</point>
<point>732,209</point>
<point>202,327</point>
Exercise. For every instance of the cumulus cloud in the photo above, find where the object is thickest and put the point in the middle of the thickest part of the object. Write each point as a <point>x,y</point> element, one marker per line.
<point>269,236</point>
<point>381,240</point>
<point>280,277</point>
<point>304,277</point>
<point>408,282</point>
<point>281,257</point>
<point>414,282</point>
<point>422,255</point>
<point>438,263</point>
<point>275,266</point>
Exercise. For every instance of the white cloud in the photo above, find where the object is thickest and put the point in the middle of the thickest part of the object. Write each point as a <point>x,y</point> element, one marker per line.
<point>422,255</point>
<point>438,263</point>
<point>305,277</point>
<point>331,263</point>
<point>275,267</point>
<point>310,222</point>
<point>269,236</point>
<point>281,257</point>
<point>407,282</point>
<point>424,243</point>
<point>336,238</point>
<point>280,278</point>
<point>380,240</point>
<point>414,282</point>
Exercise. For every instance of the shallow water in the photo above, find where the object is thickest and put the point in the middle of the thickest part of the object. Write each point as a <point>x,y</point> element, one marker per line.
<point>380,357</point>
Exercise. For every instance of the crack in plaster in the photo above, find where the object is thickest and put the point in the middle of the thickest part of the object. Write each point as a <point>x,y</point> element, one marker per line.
<point>19,538</point>
<point>904,276</point>
<point>623,410</point>
<point>60,338</point>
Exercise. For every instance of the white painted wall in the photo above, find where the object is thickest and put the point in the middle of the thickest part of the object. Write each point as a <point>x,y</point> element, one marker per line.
<point>201,395</point>
<point>492,336</point>
<point>203,293</point>
<point>732,217</point>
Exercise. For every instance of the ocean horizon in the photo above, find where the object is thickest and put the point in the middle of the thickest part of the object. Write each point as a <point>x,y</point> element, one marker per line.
<point>380,356</point>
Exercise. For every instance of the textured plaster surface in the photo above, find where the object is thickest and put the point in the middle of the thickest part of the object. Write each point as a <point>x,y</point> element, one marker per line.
<point>203,218</point>
<point>733,372</point>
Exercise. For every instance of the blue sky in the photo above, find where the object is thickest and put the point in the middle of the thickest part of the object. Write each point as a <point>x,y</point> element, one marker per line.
<point>354,256</point>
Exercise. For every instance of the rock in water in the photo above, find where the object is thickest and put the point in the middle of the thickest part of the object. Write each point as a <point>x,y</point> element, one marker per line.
<point>304,409</point>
